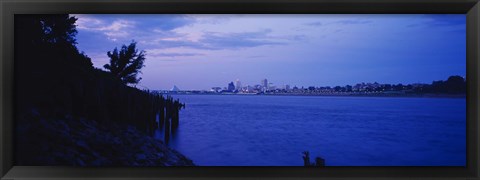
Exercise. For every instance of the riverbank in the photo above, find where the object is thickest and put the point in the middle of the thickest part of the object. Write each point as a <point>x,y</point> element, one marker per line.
<point>379,95</point>
<point>333,95</point>
<point>80,142</point>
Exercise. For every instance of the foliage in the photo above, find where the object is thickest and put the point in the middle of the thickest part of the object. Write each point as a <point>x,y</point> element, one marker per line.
<point>59,29</point>
<point>453,85</point>
<point>56,82</point>
<point>55,79</point>
<point>126,63</point>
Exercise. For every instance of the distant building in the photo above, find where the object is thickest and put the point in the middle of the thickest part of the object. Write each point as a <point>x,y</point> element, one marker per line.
<point>238,85</point>
<point>257,87</point>
<point>271,87</point>
<point>287,87</point>
<point>231,87</point>
<point>264,83</point>
<point>175,89</point>
<point>216,89</point>
<point>249,89</point>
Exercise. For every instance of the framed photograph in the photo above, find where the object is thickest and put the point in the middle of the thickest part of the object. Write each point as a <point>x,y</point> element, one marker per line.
<point>253,89</point>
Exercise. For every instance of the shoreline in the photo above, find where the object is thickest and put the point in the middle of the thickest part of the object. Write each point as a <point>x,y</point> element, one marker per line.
<point>70,141</point>
<point>454,96</point>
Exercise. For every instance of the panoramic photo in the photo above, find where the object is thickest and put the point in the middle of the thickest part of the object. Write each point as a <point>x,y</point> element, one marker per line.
<point>314,90</point>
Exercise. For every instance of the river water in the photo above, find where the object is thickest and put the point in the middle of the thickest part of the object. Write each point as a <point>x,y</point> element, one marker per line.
<point>256,130</point>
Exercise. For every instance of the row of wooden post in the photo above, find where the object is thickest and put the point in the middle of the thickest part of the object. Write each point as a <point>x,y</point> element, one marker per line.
<point>167,109</point>
<point>306,160</point>
<point>169,116</point>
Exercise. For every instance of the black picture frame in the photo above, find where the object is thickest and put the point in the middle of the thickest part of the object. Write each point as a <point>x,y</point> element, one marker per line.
<point>8,8</point>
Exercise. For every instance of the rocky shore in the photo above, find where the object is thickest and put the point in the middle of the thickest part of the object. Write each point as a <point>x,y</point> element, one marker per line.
<point>69,141</point>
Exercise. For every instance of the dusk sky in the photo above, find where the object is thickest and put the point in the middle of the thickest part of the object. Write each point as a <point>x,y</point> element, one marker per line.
<point>203,51</point>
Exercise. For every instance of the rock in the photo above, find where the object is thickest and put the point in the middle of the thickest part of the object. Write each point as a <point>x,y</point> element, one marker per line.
<point>82,142</point>
<point>80,162</point>
<point>141,157</point>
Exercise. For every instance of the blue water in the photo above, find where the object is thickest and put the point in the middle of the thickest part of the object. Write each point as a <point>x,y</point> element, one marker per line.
<point>249,130</point>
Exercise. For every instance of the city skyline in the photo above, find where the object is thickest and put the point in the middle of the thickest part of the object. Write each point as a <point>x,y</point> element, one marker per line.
<point>204,51</point>
<point>238,84</point>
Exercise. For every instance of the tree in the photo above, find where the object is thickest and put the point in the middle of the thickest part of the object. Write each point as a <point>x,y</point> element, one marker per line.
<point>455,84</point>
<point>60,29</point>
<point>337,88</point>
<point>348,88</point>
<point>37,30</point>
<point>127,63</point>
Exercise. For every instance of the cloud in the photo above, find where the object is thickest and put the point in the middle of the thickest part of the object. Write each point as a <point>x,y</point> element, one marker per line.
<point>160,34</point>
<point>165,22</point>
<point>314,24</point>
<point>166,43</point>
<point>441,20</point>
<point>209,19</point>
<point>113,30</point>
<point>214,40</point>
<point>84,22</point>
<point>174,54</point>
<point>301,37</point>
<point>222,41</point>
<point>342,22</point>
<point>116,27</point>
<point>256,56</point>
<point>351,22</point>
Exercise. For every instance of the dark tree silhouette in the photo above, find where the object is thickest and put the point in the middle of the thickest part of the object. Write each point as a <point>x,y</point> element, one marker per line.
<point>455,84</point>
<point>59,29</point>
<point>55,82</point>
<point>126,63</point>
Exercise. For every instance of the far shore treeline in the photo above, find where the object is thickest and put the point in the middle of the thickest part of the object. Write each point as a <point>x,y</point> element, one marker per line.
<point>454,86</point>
<point>55,80</point>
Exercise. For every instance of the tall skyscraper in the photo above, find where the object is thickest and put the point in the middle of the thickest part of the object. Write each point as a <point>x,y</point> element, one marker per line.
<point>238,85</point>
<point>264,83</point>
<point>231,87</point>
